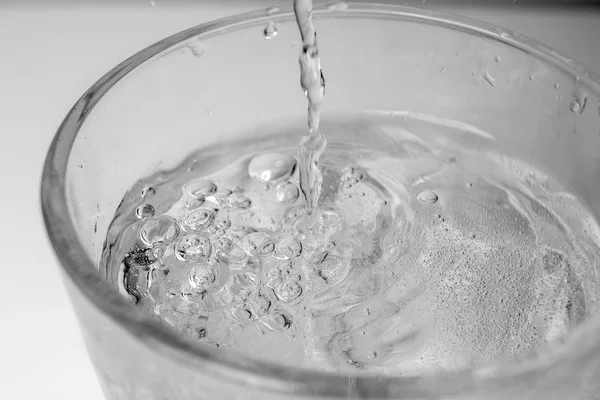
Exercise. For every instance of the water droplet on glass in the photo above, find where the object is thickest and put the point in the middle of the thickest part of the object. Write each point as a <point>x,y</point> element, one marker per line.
<point>270,30</point>
<point>144,211</point>
<point>201,277</point>
<point>578,104</point>
<point>193,247</point>
<point>287,248</point>
<point>338,6</point>
<point>271,167</point>
<point>287,193</point>
<point>288,291</point>
<point>147,192</point>
<point>201,188</point>
<point>272,10</point>
<point>160,230</point>
<point>238,200</point>
<point>497,59</point>
<point>469,185</point>
<point>278,322</point>
<point>199,219</point>
<point>427,197</point>
<point>488,78</point>
<point>258,244</point>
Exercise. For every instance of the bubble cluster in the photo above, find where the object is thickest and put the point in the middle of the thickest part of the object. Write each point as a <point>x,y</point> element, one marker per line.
<point>392,280</point>
<point>287,248</point>
<point>201,277</point>
<point>193,247</point>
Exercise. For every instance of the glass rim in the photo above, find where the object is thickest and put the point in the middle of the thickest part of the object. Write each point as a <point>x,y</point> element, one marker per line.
<point>233,366</point>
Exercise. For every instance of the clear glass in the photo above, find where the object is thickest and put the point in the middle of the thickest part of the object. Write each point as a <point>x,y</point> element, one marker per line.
<point>212,83</point>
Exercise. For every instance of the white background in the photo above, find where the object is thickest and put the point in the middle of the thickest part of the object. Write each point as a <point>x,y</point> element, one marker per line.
<point>49,55</point>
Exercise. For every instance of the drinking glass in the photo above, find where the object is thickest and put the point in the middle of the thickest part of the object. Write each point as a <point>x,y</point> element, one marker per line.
<point>214,83</point>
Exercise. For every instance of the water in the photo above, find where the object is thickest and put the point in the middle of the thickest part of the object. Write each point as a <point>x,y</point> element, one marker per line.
<point>427,248</point>
<point>312,82</point>
<point>413,246</point>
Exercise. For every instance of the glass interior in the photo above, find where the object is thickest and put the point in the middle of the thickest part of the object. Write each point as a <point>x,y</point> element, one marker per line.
<point>214,83</point>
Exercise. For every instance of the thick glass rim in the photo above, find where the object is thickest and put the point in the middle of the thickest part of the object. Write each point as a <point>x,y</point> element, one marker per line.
<point>232,366</point>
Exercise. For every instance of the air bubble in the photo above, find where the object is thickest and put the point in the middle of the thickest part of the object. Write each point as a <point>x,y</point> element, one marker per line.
<point>242,313</point>
<point>270,30</point>
<point>578,104</point>
<point>271,167</point>
<point>277,322</point>
<point>288,291</point>
<point>193,204</point>
<point>144,211</point>
<point>287,248</point>
<point>238,200</point>
<point>223,243</point>
<point>201,277</point>
<point>160,230</point>
<point>223,223</point>
<point>237,258</point>
<point>556,85</point>
<point>259,304</point>
<point>258,244</point>
<point>147,192</point>
<point>427,197</point>
<point>193,247</point>
<point>287,193</point>
<point>220,197</point>
<point>201,188</point>
<point>199,219</point>
<point>497,59</point>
